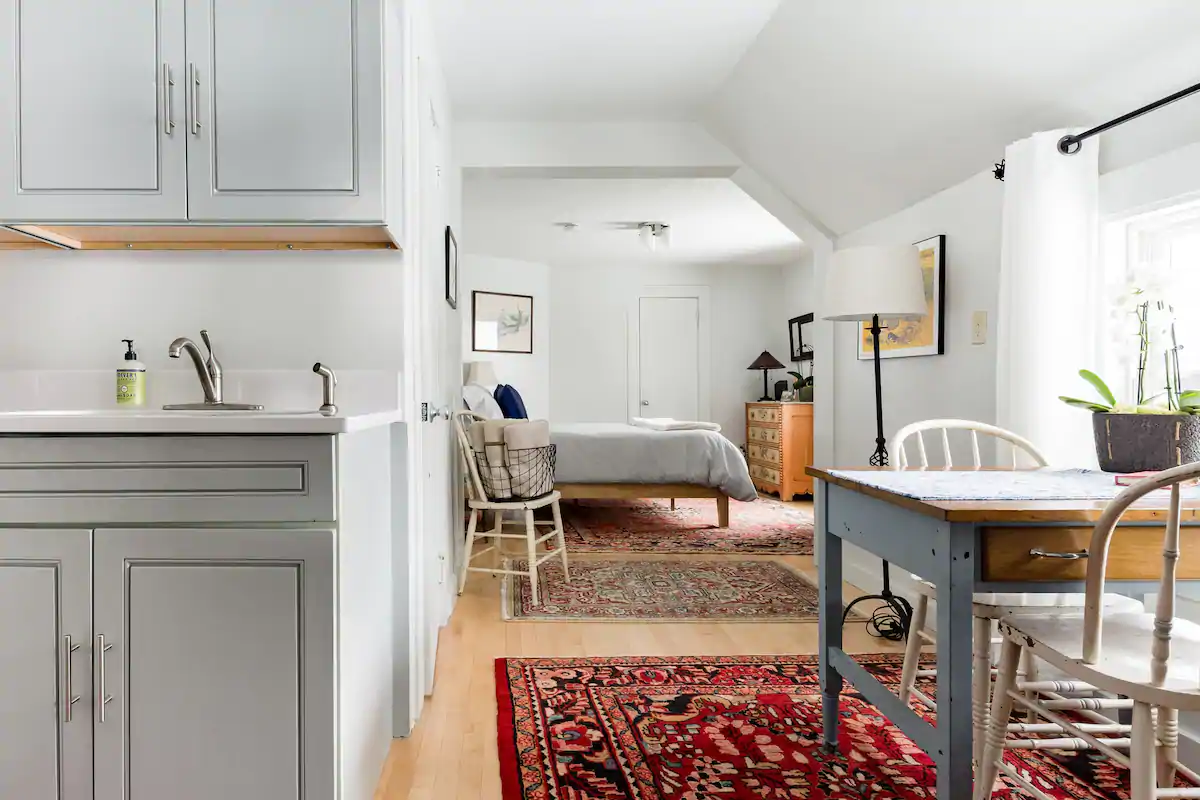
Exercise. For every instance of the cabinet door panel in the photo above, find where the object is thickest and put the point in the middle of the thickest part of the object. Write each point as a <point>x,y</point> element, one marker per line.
<point>221,668</point>
<point>45,597</point>
<point>289,110</point>
<point>84,111</point>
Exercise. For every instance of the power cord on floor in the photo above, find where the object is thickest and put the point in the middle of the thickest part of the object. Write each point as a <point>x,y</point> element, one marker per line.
<point>885,623</point>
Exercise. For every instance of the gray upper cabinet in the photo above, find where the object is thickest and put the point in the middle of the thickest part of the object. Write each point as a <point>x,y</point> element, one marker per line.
<point>45,633</point>
<point>218,664</point>
<point>285,114</point>
<point>86,111</point>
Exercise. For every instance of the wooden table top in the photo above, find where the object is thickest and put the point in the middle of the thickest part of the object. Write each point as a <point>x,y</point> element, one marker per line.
<point>1152,508</point>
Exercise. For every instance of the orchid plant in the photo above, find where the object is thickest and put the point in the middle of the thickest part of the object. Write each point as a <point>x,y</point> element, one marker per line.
<point>1145,298</point>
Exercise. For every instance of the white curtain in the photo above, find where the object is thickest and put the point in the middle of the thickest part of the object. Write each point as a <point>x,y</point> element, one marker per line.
<point>1051,288</point>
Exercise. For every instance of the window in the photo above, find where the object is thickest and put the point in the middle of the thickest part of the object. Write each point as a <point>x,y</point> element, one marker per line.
<point>1160,254</point>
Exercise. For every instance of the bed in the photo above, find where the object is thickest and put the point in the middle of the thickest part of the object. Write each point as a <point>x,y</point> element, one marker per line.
<point>601,460</point>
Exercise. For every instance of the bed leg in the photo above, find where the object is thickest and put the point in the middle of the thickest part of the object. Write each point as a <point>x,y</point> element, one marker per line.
<point>672,503</point>
<point>723,511</point>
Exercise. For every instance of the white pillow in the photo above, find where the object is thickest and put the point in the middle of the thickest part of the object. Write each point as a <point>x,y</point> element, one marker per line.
<point>480,400</point>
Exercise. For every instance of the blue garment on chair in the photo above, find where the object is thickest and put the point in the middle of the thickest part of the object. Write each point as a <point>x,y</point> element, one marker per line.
<point>510,402</point>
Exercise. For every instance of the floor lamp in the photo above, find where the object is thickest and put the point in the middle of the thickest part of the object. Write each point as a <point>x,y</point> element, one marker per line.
<point>862,285</point>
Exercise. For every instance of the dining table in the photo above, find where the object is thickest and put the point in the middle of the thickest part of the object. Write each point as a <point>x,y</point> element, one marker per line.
<point>966,531</point>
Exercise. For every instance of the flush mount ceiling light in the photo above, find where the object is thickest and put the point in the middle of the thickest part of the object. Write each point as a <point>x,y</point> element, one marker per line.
<point>655,235</point>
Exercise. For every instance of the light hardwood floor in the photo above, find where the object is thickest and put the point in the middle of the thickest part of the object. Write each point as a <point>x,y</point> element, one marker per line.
<point>452,752</point>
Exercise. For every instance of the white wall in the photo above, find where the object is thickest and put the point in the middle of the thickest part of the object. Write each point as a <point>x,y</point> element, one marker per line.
<point>271,316</point>
<point>588,362</point>
<point>529,373</point>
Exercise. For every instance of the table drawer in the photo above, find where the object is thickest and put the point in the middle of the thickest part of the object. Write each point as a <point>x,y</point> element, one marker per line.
<point>765,474</point>
<point>764,435</point>
<point>769,414</point>
<point>764,453</point>
<point>1135,553</point>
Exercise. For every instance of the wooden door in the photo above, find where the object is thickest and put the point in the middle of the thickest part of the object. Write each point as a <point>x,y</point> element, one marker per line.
<point>91,126</point>
<point>285,110</point>
<point>220,663</point>
<point>45,693</point>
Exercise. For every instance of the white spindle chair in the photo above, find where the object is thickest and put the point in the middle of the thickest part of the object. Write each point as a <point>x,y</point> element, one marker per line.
<point>986,607</point>
<point>1149,660</point>
<point>478,502</point>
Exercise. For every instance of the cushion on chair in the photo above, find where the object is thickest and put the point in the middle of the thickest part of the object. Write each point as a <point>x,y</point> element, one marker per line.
<point>510,402</point>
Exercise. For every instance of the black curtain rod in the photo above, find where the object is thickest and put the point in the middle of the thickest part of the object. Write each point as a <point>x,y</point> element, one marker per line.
<point>1069,145</point>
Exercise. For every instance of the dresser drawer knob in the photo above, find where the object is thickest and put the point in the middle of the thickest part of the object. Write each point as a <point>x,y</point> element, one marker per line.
<point>1038,552</point>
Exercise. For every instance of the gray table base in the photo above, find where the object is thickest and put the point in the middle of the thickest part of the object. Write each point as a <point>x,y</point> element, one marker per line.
<point>943,553</point>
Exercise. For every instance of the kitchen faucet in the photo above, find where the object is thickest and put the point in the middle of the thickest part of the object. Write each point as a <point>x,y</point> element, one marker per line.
<point>209,373</point>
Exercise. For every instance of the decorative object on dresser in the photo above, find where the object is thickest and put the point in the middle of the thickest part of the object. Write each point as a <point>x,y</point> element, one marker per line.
<point>501,323</point>
<point>915,335</point>
<point>779,443</point>
<point>451,268</point>
<point>766,362</point>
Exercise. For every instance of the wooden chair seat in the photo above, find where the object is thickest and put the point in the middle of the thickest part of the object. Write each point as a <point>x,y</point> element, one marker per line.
<point>1124,665</point>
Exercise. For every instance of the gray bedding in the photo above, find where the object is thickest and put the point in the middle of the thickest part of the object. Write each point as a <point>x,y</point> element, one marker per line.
<point>605,452</point>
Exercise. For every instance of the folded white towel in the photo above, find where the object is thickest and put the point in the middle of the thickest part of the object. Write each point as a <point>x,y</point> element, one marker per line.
<point>668,424</point>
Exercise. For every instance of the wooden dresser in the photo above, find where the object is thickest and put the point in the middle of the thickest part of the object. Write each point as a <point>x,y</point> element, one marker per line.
<point>779,445</point>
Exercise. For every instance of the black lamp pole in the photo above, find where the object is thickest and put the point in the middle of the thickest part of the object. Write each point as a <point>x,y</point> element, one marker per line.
<point>899,605</point>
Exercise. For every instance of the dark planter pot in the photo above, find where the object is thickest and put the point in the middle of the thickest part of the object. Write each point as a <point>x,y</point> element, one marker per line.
<point>1144,442</point>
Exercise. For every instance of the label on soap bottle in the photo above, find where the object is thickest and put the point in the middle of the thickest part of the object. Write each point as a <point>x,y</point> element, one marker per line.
<point>131,387</point>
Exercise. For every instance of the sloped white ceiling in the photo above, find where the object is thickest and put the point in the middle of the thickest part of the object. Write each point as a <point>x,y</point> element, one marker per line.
<point>858,108</point>
<point>591,59</point>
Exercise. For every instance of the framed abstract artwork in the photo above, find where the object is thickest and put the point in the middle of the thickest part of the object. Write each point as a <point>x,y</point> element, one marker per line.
<point>501,323</point>
<point>919,336</point>
<point>451,268</point>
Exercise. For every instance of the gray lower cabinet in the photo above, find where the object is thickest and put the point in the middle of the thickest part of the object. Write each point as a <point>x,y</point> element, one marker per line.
<point>216,677</point>
<point>91,111</point>
<point>45,633</point>
<point>200,663</point>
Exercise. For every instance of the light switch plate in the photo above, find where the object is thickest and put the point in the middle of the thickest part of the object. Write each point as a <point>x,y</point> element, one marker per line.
<point>979,327</point>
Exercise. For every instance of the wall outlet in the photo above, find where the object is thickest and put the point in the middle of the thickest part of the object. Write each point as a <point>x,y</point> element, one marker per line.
<point>979,327</point>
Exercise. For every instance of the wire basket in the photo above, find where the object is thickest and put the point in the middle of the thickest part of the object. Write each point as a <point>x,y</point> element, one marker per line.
<point>524,474</point>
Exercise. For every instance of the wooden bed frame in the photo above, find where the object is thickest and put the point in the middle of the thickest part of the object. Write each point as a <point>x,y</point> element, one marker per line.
<point>638,491</point>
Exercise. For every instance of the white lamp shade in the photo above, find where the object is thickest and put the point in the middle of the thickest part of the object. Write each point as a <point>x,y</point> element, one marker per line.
<point>482,373</point>
<point>865,281</point>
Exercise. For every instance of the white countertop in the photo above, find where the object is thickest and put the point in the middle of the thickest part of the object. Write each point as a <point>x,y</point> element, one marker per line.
<point>147,420</point>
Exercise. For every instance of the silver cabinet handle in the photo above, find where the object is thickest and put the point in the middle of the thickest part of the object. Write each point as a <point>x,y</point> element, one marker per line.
<point>103,698</point>
<point>168,86</point>
<point>194,97</point>
<point>69,650</point>
<point>1038,552</point>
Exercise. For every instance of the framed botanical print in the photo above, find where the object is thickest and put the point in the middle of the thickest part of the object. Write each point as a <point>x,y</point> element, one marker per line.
<point>917,336</point>
<point>501,323</point>
<point>451,268</point>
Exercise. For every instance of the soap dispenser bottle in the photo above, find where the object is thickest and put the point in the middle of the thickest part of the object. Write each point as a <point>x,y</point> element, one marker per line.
<point>131,379</point>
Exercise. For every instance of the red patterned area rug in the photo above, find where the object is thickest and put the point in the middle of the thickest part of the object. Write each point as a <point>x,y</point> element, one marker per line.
<point>663,591</point>
<point>650,526</point>
<point>735,728</point>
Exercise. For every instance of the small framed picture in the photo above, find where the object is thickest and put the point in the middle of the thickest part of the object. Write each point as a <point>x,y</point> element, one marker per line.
<point>501,323</point>
<point>451,268</point>
<point>799,351</point>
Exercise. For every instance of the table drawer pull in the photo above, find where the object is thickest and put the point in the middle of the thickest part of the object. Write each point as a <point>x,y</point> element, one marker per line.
<point>1038,552</point>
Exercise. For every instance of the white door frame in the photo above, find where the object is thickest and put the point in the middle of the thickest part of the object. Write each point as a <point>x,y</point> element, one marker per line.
<point>704,342</point>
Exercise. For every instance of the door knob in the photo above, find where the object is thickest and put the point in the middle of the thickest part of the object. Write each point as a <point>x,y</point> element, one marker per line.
<point>645,402</point>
